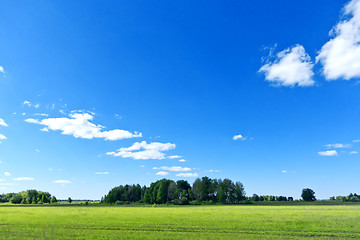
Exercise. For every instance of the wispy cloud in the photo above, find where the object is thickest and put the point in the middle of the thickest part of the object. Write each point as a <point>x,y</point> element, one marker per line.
<point>63,181</point>
<point>182,160</point>
<point>354,152</point>
<point>338,145</point>
<point>212,170</point>
<point>7,174</point>
<point>102,173</point>
<point>291,67</point>
<point>328,153</point>
<point>143,150</point>
<point>173,169</point>
<point>174,157</point>
<point>2,124</point>
<point>24,179</point>
<point>2,70</point>
<point>340,56</point>
<point>162,173</point>
<point>187,175</point>
<point>79,125</point>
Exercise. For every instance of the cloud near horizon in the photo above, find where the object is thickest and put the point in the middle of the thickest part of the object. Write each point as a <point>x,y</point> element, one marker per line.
<point>79,125</point>
<point>63,181</point>
<point>174,168</point>
<point>187,175</point>
<point>24,179</point>
<point>143,150</point>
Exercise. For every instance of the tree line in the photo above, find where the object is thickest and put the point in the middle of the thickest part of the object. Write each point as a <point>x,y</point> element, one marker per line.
<point>28,197</point>
<point>179,192</point>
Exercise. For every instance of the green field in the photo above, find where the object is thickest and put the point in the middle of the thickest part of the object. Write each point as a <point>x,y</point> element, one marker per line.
<point>185,222</point>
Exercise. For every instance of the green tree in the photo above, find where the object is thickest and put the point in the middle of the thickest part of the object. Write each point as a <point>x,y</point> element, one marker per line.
<point>69,200</point>
<point>53,199</point>
<point>308,195</point>
<point>16,199</point>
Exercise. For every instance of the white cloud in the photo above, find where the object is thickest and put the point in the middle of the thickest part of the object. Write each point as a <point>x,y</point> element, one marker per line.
<point>174,156</point>
<point>7,174</point>
<point>239,137</point>
<point>338,145</point>
<point>187,175</point>
<point>102,173</point>
<point>41,114</point>
<point>37,150</point>
<point>284,171</point>
<point>173,169</point>
<point>79,125</point>
<point>328,153</point>
<point>212,170</point>
<point>24,179</point>
<point>143,150</point>
<point>63,181</point>
<point>162,173</point>
<point>27,103</point>
<point>7,184</point>
<point>291,67</point>
<point>340,56</point>
<point>354,152</point>
<point>2,137</point>
<point>182,160</point>
<point>141,166</point>
<point>2,70</point>
<point>356,140</point>
<point>3,123</point>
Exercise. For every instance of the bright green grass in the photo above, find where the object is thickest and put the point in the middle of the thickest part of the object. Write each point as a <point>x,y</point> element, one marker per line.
<point>188,222</point>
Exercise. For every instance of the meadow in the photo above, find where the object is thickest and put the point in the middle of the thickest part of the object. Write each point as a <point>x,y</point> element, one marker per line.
<point>180,222</point>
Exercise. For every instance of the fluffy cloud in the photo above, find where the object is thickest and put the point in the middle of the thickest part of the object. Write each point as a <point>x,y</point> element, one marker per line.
<point>340,56</point>
<point>24,179</point>
<point>63,181</point>
<point>182,160</point>
<point>187,175</point>
<point>3,123</point>
<point>239,137</point>
<point>143,150</point>
<point>162,173</point>
<point>7,174</point>
<point>173,169</point>
<point>174,157</point>
<point>291,67</point>
<point>328,153</point>
<point>338,145</point>
<point>2,70</point>
<point>79,125</point>
<point>102,173</point>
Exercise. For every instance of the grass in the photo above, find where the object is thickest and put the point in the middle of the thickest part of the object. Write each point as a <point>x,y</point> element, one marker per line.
<point>184,222</point>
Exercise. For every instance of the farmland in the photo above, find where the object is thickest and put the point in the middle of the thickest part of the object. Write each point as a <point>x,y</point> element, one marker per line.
<point>180,222</point>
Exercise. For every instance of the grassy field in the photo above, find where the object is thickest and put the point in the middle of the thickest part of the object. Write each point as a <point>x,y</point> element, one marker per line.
<point>186,222</point>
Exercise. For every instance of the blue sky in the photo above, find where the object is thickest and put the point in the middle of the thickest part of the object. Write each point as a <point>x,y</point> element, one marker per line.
<point>98,94</point>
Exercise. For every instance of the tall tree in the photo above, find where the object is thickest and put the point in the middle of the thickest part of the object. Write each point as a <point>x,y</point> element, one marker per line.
<point>308,195</point>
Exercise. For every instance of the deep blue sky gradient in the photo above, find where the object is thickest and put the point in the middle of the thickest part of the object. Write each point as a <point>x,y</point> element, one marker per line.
<point>183,72</point>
